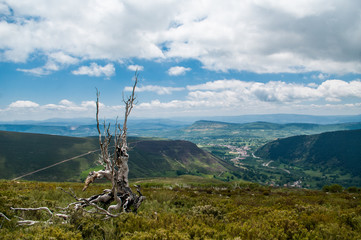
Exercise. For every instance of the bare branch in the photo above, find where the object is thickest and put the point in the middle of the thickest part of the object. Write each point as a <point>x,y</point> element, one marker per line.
<point>4,216</point>
<point>115,170</point>
<point>34,209</point>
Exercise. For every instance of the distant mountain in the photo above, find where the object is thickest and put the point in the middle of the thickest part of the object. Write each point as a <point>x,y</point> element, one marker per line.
<point>61,130</point>
<point>288,118</point>
<point>21,153</point>
<point>212,130</point>
<point>87,127</point>
<point>278,118</point>
<point>333,155</point>
<point>82,127</point>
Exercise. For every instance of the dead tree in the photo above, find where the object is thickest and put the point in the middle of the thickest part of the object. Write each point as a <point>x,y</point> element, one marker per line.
<point>115,170</point>
<point>116,167</point>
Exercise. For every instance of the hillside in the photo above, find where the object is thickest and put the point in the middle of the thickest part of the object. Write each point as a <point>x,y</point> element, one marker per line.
<point>335,156</point>
<point>21,153</point>
<point>171,158</point>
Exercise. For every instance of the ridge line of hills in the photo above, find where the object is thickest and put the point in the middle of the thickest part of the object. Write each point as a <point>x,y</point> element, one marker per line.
<point>176,130</point>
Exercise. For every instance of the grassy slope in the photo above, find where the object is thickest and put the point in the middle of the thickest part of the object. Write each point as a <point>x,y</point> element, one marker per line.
<point>22,153</point>
<point>169,157</point>
<point>179,209</point>
<point>327,157</point>
<point>332,149</point>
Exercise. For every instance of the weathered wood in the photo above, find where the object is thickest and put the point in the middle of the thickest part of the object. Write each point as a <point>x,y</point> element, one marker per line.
<point>116,169</point>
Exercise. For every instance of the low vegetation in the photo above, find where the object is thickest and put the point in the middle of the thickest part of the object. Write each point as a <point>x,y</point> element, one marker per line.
<point>189,208</point>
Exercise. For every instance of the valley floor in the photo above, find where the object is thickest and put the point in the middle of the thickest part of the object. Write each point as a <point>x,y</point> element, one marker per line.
<point>189,208</point>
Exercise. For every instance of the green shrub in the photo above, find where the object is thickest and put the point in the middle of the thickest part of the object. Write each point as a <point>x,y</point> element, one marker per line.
<point>189,212</point>
<point>334,188</point>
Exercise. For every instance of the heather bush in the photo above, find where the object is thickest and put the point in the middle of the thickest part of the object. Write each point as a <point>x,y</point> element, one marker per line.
<point>187,211</point>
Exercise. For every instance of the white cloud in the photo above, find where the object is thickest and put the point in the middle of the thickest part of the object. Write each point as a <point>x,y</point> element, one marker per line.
<point>23,104</point>
<point>90,104</point>
<point>96,70</point>
<point>177,70</point>
<point>320,76</point>
<point>157,89</point>
<point>29,110</point>
<point>214,98</point>
<point>36,71</point>
<point>261,36</point>
<point>63,58</point>
<point>264,36</point>
<point>235,97</point>
<point>66,102</point>
<point>4,9</point>
<point>281,92</point>
<point>55,61</point>
<point>135,68</point>
<point>335,89</point>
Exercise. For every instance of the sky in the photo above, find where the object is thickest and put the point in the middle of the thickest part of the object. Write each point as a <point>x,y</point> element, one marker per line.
<point>194,58</point>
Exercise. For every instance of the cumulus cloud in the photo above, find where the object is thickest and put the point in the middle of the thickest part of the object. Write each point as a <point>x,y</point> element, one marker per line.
<point>25,109</point>
<point>56,61</point>
<point>135,68</point>
<point>276,91</point>
<point>177,70</point>
<point>69,106</point>
<point>261,36</point>
<point>160,90</point>
<point>4,9</point>
<point>221,97</point>
<point>66,102</point>
<point>23,104</point>
<point>95,70</point>
<point>229,97</point>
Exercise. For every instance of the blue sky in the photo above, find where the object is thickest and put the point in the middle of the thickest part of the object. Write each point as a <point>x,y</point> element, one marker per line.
<point>195,58</point>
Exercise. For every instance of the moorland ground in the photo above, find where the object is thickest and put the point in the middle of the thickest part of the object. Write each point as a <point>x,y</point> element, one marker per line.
<point>188,207</point>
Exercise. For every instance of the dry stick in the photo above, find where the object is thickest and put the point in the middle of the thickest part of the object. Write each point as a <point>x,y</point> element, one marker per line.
<point>4,216</point>
<point>32,222</point>
<point>34,209</point>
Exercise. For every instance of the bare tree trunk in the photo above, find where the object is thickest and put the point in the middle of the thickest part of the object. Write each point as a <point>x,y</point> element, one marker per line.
<point>116,169</point>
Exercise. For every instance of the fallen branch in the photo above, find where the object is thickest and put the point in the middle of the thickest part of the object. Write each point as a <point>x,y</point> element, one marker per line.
<point>28,222</point>
<point>4,216</point>
<point>33,209</point>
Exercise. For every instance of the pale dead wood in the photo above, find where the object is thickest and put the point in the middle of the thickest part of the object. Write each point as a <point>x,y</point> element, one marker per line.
<point>115,170</point>
<point>4,216</point>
